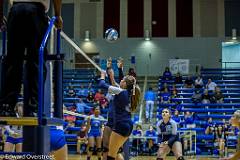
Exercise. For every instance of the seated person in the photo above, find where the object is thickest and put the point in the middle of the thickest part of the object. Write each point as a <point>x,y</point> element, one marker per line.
<point>165,96</point>
<point>80,105</point>
<point>164,86</point>
<point>188,82</point>
<point>137,143</point>
<point>82,139</point>
<point>176,117</point>
<point>210,86</point>
<point>217,96</point>
<point>83,92</point>
<point>206,97</point>
<point>71,92</point>
<point>90,97</point>
<point>197,96</point>
<point>167,75</point>
<point>198,82</point>
<point>178,79</point>
<point>152,134</point>
<point>189,120</point>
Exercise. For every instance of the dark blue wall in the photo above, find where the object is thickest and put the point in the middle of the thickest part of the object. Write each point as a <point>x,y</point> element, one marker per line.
<point>232,16</point>
<point>68,19</point>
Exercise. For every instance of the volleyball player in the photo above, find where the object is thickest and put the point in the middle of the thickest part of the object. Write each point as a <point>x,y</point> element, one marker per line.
<point>125,101</point>
<point>58,145</point>
<point>108,128</point>
<point>167,137</point>
<point>14,138</point>
<point>235,121</point>
<point>94,124</point>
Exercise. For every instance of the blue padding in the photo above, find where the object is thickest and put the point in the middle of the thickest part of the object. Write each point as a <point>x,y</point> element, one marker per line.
<point>204,137</point>
<point>208,110</point>
<point>73,129</point>
<point>192,129</point>
<point>70,136</point>
<point>72,143</point>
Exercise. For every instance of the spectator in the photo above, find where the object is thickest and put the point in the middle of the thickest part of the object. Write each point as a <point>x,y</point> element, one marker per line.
<point>167,75</point>
<point>80,106</point>
<point>197,96</point>
<point>98,96</point>
<point>206,97</point>
<point>164,86</point>
<point>217,96</point>
<point>137,142</point>
<point>149,97</point>
<point>165,96</point>
<point>151,135</point>
<point>71,92</point>
<point>83,92</point>
<point>198,82</point>
<point>188,82</point>
<point>82,139</point>
<point>210,86</point>
<point>176,117</point>
<point>90,97</point>
<point>189,120</point>
<point>235,121</point>
<point>178,78</point>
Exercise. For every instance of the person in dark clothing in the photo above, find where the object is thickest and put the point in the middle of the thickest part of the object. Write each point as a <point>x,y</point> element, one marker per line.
<point>26,27</point>
<point>125,101</point>
<point>167,137</point>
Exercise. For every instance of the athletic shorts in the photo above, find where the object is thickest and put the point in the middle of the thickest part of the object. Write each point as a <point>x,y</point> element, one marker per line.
<point>94,134</point>
<point>124,128</point>
<point>13,140</point>
<point>57,139</point>
<point>110,123</point>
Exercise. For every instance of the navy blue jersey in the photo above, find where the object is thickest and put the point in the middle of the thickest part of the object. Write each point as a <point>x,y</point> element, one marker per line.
<point>111,113</point>
<point>167,131</point>
<point>121,102</point>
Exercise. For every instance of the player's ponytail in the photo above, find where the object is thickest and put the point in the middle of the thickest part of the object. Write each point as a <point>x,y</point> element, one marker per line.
<point>134,91</point>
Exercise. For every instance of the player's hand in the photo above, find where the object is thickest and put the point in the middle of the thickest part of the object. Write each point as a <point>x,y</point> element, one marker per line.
<point>109,62</point>
<point>120,62</point>
<point>103,74</point>
<point>59,22</point>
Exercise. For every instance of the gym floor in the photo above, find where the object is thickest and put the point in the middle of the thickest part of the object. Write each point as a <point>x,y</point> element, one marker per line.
<point>77,157</point>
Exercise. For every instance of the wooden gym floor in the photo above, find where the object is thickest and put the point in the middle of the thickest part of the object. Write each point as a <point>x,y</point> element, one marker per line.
<point>80,157</point>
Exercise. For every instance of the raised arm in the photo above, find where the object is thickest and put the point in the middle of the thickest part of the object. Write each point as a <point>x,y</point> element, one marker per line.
<point>111,89</point>
<point>57,8</point>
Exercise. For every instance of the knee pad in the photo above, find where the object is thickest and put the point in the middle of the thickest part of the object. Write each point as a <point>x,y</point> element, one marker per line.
<point>99,149</point>
<point>105,149</point>
<point>91,149</point>
<point>181,158</point>
<point>110,158</point>
<point>120,150</point>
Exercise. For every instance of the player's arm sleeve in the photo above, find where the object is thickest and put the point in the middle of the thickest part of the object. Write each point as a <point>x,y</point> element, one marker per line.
<point>159,134</point>
<point>174,133</point>
<point>120,74</point>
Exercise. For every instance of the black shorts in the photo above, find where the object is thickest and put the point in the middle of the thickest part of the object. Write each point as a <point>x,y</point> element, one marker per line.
<point>124,128</point>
